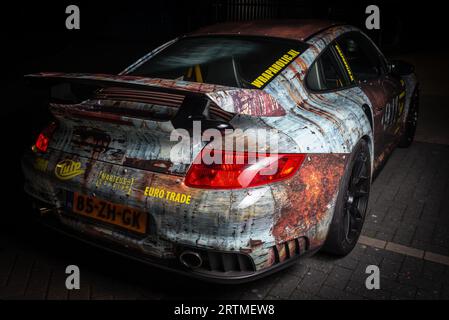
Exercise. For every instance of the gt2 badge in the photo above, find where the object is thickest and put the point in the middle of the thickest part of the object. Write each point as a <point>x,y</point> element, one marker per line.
<point>68,169</point>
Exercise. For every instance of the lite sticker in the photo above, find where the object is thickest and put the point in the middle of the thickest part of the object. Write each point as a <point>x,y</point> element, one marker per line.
<point>68,169</point>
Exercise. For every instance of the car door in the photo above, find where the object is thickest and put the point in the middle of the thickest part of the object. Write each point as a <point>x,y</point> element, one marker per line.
<point>367,67</point>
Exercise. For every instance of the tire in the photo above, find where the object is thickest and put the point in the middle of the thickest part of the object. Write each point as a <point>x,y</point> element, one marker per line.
<point>411,122</point>
<point>352,203</point>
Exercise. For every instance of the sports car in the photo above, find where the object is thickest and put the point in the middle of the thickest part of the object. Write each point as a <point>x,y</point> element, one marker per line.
<point>227,153</point>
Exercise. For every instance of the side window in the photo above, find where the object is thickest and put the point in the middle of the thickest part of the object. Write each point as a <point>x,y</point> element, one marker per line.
<point>325,73</point>
<point>362,57</point>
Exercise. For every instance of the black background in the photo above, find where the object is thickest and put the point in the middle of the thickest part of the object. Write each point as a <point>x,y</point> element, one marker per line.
<point>113,34</point>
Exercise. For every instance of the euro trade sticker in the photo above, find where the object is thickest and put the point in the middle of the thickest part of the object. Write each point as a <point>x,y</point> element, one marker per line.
<point>167,195</point>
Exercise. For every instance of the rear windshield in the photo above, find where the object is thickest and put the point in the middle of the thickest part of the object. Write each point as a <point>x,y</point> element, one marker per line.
<point>235,61</point>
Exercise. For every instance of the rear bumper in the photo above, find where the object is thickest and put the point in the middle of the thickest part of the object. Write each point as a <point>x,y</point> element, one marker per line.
<point>267,227</point>
<point>235,224</point>
<point>49,218</point>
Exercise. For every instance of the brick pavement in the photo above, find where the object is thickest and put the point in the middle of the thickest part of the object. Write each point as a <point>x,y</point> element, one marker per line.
<point>409,206</point>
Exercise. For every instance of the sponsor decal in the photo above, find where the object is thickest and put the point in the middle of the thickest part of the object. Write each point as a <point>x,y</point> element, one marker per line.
<point>343,59</point>
<point>393,111</point>
<point>41,164</point>
<point>68,169</point>
<point>167,195</point>
<point>114,182</point>
<point>275,68</point>
<point>401,103</point>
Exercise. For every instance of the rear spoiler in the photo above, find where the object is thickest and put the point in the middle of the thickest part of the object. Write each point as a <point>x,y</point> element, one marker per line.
<point>252,102</point>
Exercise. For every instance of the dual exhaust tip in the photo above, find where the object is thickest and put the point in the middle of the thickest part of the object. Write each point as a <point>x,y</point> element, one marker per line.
<point>191,259</point>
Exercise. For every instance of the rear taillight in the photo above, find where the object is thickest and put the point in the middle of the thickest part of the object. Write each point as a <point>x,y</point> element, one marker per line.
<point>43,139</point>
<point>241,169</point>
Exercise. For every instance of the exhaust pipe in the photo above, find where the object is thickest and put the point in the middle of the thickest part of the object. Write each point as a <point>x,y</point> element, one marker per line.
<point>42,211</point>
<point>191,259</point>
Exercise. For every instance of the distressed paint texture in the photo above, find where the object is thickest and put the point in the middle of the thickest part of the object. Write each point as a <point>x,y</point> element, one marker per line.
<point>242,101</point>
<point>126,132</point>
<point>228,220</point>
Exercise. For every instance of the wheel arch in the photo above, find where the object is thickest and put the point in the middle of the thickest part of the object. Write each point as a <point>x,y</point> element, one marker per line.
<point>412,85</point>
<point>368,112</point>
<point>369,141</point>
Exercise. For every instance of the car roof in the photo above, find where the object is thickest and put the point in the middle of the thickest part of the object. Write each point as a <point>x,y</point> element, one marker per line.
<point>289,29</point>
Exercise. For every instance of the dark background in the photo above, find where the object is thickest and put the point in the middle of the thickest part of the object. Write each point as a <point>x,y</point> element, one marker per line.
<point>115,34</point>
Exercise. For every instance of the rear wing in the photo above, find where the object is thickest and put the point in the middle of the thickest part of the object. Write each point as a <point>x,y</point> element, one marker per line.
<point>76,87</point>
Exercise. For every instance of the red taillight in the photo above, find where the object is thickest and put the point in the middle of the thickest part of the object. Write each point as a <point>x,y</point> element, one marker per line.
<point>44,138</point>
<point>42,143</point>
<point>241,170</point>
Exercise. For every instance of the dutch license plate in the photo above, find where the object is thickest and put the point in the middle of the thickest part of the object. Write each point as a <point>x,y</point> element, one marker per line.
<point>115,214</point>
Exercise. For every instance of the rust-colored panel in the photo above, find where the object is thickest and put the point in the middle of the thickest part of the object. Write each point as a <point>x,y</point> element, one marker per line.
<point>289,29</point>
<point>282,252</point>
<point>309,195</point>
<point>292,247</point>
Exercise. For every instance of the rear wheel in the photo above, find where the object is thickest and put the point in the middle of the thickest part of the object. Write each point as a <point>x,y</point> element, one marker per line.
<point>411,122</point>
<point>352,202</point>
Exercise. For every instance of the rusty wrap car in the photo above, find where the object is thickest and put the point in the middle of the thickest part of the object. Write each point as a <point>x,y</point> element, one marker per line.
<point>103,170</point>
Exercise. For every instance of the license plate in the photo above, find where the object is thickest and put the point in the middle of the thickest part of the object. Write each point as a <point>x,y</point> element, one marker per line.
<point>115,214</point>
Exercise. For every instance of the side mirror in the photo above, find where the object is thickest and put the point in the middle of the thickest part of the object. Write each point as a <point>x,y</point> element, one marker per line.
<point>400,68</point>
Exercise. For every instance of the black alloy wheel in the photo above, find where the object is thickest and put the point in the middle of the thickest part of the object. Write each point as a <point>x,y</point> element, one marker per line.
<point>411,122</point>
<point>352,203</point>
<point>356,198</point>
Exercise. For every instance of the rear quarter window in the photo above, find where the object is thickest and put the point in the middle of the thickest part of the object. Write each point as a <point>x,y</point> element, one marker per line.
<point>326,74</point>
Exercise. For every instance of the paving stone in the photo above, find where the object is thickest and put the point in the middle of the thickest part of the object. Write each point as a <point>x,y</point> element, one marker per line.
<point>445,292</point>
<point>7,261</point>
<point>405,250</point>
<point>39,281</point>
<point>284,288</point>
<point>312,281</point>
<point>57,289</point>
<point>328,292</point>
<point>298,270</point>
<point>338,277</point>
<point>347,262</point>
<point>390,268</point>
<point>437,258</point>
<point>383,235</point>
<point>359,288</point>
<point>423,294</point>
<point>299,294</point>
<point>399,291</point>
